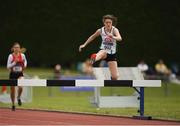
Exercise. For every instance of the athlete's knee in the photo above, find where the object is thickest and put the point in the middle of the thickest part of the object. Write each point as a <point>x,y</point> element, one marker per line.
<point>21,77</point>
<point>12,88</point>
<point>115,77</point>
<point>20,87</point>
<point>101,54</point>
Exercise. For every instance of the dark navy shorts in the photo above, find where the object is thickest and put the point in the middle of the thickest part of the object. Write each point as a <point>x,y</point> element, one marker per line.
<point>111,57</point>
<point>15,75</point>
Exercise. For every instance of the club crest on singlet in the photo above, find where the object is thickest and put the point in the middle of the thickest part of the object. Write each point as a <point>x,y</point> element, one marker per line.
<point>108,44</point>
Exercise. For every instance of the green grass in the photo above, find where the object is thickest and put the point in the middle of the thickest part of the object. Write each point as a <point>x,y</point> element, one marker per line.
<point>157,104</point>
<point>40,72</point>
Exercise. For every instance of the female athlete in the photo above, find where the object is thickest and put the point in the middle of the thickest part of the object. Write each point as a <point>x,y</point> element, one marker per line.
<point>16,64</point>
<point>110,35</point>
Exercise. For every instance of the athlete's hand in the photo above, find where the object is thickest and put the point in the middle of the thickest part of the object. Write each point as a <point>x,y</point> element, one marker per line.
<point>81,47</point>
<point>16,60</point>
<point>110,36</point>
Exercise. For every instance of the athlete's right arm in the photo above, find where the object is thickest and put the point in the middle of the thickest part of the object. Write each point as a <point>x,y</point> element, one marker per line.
<point>10,64</point>
<point>90,39</point>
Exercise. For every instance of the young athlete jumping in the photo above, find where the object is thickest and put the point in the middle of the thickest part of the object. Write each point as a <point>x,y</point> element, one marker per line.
<point>110,35</point>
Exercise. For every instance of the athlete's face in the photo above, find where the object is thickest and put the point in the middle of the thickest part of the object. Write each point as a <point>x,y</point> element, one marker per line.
<point>108,23</point>
<point>16,48</point>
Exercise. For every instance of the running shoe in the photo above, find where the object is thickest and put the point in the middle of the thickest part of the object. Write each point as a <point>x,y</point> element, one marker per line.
<point>19,101</point>
<point>93,58</point>
<point>13,108</point>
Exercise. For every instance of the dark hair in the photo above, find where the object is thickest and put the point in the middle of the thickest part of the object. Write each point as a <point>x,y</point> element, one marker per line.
<point>111,17</point>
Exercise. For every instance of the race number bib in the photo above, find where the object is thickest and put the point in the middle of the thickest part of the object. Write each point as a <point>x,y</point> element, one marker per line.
<point>17,69</point>
<point>106,47</point>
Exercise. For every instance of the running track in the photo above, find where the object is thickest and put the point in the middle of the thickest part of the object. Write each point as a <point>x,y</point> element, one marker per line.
<point>39,117</point>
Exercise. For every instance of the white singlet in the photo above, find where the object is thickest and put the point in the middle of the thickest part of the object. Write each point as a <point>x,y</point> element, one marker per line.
<point>108,44</point>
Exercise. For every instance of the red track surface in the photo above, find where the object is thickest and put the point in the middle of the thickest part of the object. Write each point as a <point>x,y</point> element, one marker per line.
<point>29,117</point>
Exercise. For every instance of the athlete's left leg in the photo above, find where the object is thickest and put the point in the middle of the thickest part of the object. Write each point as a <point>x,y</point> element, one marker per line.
<point>20,89</point>
<point>113,67</point>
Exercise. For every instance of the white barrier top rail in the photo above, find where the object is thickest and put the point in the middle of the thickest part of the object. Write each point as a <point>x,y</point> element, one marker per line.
<point>81,83</point>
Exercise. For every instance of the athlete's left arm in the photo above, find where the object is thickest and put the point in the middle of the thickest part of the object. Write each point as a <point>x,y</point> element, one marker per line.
<point>117,35</point>
<point>25,60</point>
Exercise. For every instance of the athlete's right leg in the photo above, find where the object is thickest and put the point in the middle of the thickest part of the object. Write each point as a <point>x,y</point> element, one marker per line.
<point>102,54</point>
<point>13,97</point>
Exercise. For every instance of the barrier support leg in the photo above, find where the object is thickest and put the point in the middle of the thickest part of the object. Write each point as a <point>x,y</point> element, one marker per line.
<point>141,107</point>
